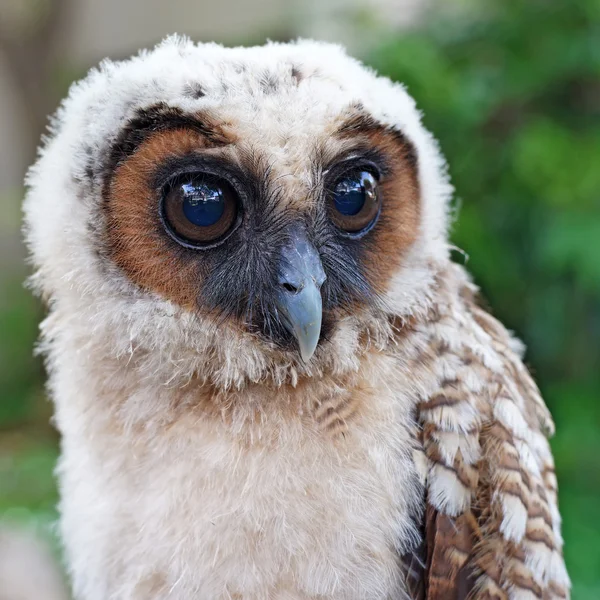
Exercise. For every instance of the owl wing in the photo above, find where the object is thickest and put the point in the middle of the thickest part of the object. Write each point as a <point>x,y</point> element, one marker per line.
<point>491,524</point>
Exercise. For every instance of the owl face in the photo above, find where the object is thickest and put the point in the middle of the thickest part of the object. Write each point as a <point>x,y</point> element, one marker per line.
<point>281,200</point>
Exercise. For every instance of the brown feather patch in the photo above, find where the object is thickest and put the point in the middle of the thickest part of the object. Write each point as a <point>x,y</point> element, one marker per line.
<point>449,544</point>
<point>483,435</point>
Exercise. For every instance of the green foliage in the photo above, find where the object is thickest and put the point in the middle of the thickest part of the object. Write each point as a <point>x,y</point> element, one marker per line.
<point>513,95</point>
<point>18,326</point>
<point>512,91</point>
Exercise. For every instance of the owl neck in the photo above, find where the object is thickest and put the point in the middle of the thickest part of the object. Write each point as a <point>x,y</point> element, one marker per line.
<point>141,378</point>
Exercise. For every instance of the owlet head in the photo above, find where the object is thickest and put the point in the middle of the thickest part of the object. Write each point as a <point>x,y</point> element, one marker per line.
<point>237,211</point>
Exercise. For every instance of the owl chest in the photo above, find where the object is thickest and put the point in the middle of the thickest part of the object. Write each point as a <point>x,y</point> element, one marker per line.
<point>303,518</point>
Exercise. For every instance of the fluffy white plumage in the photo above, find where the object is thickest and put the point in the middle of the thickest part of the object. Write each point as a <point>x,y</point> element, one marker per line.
<point>197,461</point>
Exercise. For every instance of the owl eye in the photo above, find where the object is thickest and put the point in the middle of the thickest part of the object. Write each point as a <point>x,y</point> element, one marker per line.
<point>199,210</point>
<point>355,202</point>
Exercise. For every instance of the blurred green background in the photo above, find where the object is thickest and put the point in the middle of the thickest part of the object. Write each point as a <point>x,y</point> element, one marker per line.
<point>512,91</point>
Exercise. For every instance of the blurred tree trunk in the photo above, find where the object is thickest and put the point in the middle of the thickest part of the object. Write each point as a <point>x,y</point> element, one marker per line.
<point>31,32</point>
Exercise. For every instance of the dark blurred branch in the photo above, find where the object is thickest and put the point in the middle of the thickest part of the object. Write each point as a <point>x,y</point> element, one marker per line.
<point>31,54</point>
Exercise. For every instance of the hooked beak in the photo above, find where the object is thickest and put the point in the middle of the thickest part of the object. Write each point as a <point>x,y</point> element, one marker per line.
<point>299,299</point>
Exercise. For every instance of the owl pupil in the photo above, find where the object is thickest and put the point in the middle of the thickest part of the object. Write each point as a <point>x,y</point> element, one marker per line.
<point>351,193</point>
<point>203,203</point>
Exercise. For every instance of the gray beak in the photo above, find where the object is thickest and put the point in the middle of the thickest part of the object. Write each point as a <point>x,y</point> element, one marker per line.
<point>299,300</point>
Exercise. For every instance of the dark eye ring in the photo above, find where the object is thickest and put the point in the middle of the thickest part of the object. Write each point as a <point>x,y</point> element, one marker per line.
<point>355,202</point>
<point>199,210</point>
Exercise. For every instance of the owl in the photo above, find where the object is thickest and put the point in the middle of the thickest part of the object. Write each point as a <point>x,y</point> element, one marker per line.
<point>270,380</point>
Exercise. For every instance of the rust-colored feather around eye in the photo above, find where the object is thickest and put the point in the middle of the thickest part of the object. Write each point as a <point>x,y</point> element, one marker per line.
<point>399,190</point>
<point>135,236</point>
